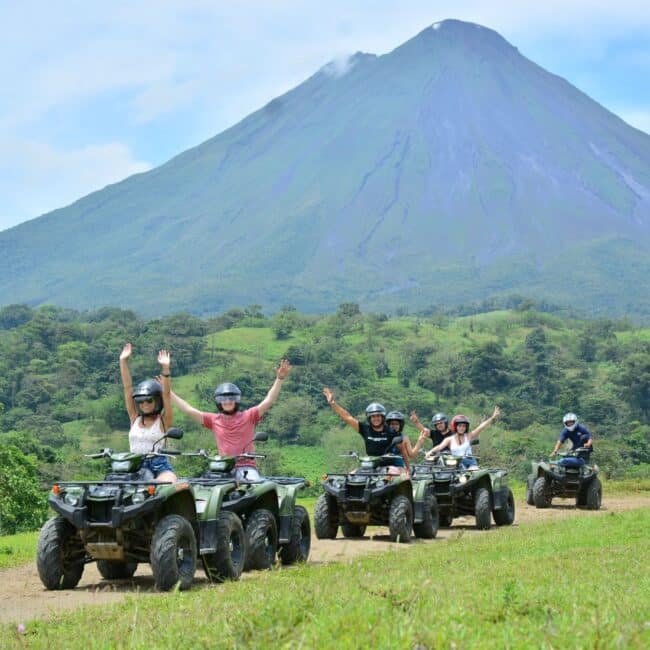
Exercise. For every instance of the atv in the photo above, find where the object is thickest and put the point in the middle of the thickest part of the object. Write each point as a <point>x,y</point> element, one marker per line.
<point>125,519</point>
<point>481,493</point>
<point>373,495</point>
<point>569,476</point>
<point>272,521</point>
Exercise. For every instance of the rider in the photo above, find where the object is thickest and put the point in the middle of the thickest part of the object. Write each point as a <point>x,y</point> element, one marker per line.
<point>234,429</point>
<point>460,444</point>
<point>438,432</point>
<point>150,413</point>
<point>395,421</point>
<point>578,434</point>
<point>376,433</point>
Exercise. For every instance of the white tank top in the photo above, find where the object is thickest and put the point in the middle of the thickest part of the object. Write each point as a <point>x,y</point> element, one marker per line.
<point>462,449</point>
<point>141,438</point>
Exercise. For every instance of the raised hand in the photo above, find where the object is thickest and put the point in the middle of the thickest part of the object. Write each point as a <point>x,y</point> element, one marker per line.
<point>164,358</point>
<point>414,417</point>
<point>283,369</point>
<point>126,351</point>
<point>497,412</point>
<point>328,395</point>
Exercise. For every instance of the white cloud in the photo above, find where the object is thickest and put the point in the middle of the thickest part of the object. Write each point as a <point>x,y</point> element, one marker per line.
<point>57,177</point>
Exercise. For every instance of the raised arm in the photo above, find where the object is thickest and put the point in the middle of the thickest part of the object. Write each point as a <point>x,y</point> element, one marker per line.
<point>438,448</point>
<point>190,411</point>
<point>340,411</point>
<point>164,359</point>
<point>127,382</point>
<point>280,375</point>
<point>424,434</point>
<point>474,434</point>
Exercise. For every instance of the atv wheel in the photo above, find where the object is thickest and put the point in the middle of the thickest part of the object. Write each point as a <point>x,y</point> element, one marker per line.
<point>593,495</point>
<point>445,520</point>
<point>428,529</point>
<point>325,521</point>
<point>227,563</point>
<point>297,549</point>
<point>262,540</point>
<point>400,519</point>
<point>116,570</point>
<point>506,515</point>
<point>542,495</point>
<point>173,553</point>
<point>353,530</point>
<point>59,555</point>
<point>529,490</point>
<point>483,508</point>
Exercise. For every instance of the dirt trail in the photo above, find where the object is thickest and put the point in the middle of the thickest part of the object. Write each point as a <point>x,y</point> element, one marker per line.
<point>22,596</point>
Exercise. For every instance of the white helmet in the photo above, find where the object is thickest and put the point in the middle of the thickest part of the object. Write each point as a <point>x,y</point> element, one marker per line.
<point>570,418</point>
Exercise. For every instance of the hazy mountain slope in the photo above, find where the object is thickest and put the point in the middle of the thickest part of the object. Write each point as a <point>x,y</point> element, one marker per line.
<point>449,169</point>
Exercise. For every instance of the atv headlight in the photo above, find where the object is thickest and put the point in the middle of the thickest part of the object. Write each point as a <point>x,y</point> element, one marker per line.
<point>138,497</point>
<point>462,479</point>
<point>380,483</point>
<point>218,465</point>
<point>121,465</point>
<point>72,497</point>
<point>336,484</point>
<point>451,462</point>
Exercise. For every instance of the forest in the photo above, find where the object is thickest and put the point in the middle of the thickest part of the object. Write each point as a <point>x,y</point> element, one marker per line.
<point>61,397</point>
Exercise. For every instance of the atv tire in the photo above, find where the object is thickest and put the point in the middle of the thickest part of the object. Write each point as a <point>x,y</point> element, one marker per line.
<point>593,495</point>
<point>111,570</point>
<point>483,508</point>
<point>261,540</point>
<point>542,495</point>
<point>299,544</point>
<point>173,553</point>
<point>529,490</point>
<point>400,519</point>
<point>325,518</point>
<point>59,555</point>
<point>428,529</point>
<point>227,563</point>
<point>506,515</point>
<point>353,531</point>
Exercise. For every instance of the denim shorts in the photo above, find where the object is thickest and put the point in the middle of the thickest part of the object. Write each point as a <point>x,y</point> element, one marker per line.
<point>157,465</point>
<point>468,461</point>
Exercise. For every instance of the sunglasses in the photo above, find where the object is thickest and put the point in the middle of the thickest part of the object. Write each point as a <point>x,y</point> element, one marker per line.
<point>145,400</point>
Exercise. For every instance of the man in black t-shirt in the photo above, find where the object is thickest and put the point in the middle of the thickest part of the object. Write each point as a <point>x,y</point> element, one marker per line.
<point>438,432</point>
<point>375,432</point>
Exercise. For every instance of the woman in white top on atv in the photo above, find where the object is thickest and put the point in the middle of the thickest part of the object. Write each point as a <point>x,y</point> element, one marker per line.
<point>460,444</point>
<point>147,405</point>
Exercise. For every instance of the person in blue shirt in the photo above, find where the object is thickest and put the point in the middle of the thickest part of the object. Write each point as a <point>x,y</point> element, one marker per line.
<point>579,435</point>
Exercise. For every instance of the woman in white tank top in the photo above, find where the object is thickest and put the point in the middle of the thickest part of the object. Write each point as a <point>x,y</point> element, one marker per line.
<point>150,412</point>
<point>460,444</point>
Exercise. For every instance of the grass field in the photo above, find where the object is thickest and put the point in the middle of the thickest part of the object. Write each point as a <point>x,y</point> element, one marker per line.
<point>575,583</point>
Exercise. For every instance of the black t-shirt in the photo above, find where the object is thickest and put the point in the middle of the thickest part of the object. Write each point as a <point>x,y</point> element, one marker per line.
<point>377,442</point>
<point>437,437</point>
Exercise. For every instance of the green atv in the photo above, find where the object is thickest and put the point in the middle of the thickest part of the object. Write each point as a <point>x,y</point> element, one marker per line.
<point>371,495</point>
<point>125,519</point>
<point>481,493</point>
<point>567,476</point>
<point>272,521</point>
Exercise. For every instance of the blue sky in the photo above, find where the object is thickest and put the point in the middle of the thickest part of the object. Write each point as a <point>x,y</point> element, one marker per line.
<point>93,92</point>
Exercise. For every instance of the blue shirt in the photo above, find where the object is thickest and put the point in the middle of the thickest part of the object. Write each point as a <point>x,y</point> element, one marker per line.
<point>578,437</point>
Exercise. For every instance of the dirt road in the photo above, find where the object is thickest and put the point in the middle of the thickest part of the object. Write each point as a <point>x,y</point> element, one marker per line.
<point>22,596</point>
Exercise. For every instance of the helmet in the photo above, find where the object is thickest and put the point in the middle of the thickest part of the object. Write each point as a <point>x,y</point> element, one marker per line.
<point>146,390</point>
<point>459,419</point>
<point>439,417</point>
<point>225,392</point>
<point>375,408</point>
<point>570,417</point>
<point>396,415</point>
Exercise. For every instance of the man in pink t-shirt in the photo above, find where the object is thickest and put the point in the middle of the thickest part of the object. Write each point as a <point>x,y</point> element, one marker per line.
<point>234,429</point>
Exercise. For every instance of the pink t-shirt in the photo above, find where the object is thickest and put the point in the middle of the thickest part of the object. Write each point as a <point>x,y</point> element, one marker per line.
<point>234,433</point>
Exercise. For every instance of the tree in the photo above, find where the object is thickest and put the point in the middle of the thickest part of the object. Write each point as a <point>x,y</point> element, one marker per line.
<point>22,503</point>
<point>633,381</point>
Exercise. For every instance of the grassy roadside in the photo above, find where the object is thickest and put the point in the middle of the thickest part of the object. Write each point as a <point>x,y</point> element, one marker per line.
<point>565,584</point>
<point>17,549</point>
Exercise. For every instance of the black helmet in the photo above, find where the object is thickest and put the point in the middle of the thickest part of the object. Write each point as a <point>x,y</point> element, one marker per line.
<point>375,408</point>
<point>439,417</point>
<point>396,415</point>
<point>146,390</point>
<point>227,392</point>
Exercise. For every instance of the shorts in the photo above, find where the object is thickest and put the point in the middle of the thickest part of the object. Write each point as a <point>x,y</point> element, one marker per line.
<point>468,462</point>
<point>157,465</point>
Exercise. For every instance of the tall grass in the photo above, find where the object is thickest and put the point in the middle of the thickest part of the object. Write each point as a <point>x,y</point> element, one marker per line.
<point>579,583</point>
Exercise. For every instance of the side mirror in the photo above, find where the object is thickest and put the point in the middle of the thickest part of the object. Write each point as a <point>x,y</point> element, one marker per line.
<point>261,436</point>
<point>174,432</point>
